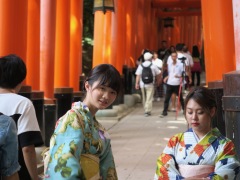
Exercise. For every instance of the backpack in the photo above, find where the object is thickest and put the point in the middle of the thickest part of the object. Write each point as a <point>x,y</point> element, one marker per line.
<point>147,75</point>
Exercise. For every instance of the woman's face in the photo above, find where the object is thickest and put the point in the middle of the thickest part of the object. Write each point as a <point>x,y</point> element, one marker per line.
<point>99,97</point>
<point>198,119</point>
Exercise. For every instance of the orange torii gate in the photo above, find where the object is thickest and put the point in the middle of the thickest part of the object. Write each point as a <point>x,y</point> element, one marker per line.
<point>33,29</point>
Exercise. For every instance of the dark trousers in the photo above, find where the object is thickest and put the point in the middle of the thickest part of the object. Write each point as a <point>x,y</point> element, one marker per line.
<point>170,90</point>
<point>198,78</point>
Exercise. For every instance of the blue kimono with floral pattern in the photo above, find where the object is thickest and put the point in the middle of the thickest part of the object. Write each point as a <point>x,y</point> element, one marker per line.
<point>76,133</point>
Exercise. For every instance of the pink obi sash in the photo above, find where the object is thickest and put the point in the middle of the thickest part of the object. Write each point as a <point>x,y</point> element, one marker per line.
<point>195,171</point>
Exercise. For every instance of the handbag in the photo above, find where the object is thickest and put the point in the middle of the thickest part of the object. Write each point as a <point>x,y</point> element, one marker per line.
<point>89,162</point>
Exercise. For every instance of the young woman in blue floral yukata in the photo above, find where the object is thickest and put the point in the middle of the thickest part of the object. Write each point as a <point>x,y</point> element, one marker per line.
<point>201,152</point>
<point>80,147</point>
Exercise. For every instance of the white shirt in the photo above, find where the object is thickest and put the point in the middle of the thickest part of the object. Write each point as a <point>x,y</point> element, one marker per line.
<point>157,62</point>
<point>155,72</point>
<point>189,57</point>
<point>180,55</point>
<point>174,70</point>
<point>11,104</point>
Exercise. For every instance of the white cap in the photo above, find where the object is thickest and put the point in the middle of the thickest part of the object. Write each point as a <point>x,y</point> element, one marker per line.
<point>147,56</point>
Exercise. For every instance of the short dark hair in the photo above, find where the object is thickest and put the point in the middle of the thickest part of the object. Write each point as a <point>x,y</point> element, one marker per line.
<point>179,47</point>
<point>107,75</point>
<point>203,96</point>
<point>12,71</point>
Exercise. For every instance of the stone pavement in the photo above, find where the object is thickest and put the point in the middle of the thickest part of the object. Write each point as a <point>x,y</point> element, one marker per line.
<point>137,141</point>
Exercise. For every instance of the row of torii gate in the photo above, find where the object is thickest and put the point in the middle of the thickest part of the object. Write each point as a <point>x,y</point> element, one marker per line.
<point>47,34</point>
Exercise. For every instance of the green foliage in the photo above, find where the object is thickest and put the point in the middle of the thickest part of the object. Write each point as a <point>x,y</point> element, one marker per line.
<point>87,40</point>
<point>88,22</point>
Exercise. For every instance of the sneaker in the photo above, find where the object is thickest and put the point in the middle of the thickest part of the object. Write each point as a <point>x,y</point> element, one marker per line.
<point>163,114</point>
<point>147,114</point>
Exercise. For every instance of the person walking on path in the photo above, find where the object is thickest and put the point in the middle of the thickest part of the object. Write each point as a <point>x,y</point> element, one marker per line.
<point>147,89</point>
<point>187,78</point>
<point>158,88</point>
<point>80,146</point>
<point>13,72</point>
<point>173,80</point>
<point>196,68</point>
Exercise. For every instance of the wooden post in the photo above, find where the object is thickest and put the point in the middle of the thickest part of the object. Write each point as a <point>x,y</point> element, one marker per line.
<point>230,101</point>
<point>218,120</point>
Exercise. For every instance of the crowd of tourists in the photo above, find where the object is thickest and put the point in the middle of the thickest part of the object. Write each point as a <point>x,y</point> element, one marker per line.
<point>173,73</point>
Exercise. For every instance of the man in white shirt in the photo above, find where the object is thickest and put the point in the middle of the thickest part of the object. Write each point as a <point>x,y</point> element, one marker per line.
<point>147,89</point>
<point>188,55</point>
<point>181,58</point>
<point>157,88</point>
<point>156,61</point>
<point>173,80</point>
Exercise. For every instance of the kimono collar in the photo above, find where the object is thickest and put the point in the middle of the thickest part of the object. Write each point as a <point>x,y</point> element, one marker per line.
<point>210,137</point>
<point>82,108</point>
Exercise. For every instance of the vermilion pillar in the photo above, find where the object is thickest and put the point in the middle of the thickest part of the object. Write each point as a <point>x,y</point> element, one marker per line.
<point>218,38</point>
<point>196,31</point>
<point>113,40</point>
<point>98,38</point>
<point>181,28</point>
<point>62,50</point>
<point>130,6</point>
<point>176,32</point>
<point>75,43</point>
<point>33,45</point>
<point>47,46</point>
<point>106,51</point>
<point>121,34</point>
<point>147,24</point>
<point>154,28</point>
<point>236,19</point>
<point>187,32</point>
<point>13,27</point>
<point>134,30</point>
<point>118,33</point>
<point>140,28</point>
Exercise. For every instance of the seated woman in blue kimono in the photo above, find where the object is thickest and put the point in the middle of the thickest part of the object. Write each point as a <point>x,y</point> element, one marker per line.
<point>201,152</point>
